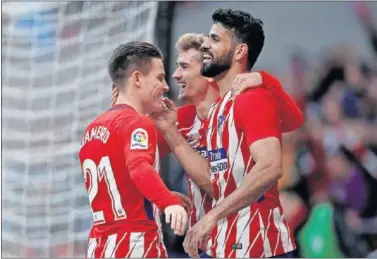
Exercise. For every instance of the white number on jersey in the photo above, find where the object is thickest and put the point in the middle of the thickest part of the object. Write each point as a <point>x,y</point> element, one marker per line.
<point>97,174</point>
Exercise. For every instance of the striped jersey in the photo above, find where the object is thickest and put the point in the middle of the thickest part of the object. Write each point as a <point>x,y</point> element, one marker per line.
<point>192,129</point>
<point>258,230</point>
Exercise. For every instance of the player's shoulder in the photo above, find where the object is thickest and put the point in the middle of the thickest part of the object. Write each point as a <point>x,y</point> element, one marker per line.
<point>145,121</point>
<point>124,120</point>
<point>116,113</point>
<point>142,131</point>
<point>186,110</point>
<point>253,99</point>
<point>255,95</point>
<point>186,114</point>
<point>138,121</point>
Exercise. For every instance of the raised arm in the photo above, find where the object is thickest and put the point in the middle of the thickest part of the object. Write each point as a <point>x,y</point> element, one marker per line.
<point>196,167</point>
<point>139,153</point>
<point>290,114</point>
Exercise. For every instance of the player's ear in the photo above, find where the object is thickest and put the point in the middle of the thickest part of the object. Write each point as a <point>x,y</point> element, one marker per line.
<point>241,51</point>
<point>135,77</point>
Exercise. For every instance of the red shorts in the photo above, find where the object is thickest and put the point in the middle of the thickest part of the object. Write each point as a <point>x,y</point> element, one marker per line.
<point>127,245</point>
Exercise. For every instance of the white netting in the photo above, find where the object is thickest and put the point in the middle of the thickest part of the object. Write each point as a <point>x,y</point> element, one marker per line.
<point>54,81</point>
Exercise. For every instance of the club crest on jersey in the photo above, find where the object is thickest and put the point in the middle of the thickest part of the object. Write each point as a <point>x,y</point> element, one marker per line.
<point>139,139</point>
<point>220,122</point>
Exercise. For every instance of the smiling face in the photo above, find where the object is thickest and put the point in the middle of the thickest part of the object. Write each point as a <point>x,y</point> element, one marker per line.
<point>217,51</point>
<point>152,86</point>
<point>192,85</point>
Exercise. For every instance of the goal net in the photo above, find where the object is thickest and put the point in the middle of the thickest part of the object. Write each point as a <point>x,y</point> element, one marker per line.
<point>54,81</point>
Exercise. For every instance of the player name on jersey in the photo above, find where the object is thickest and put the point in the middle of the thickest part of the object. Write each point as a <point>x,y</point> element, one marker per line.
<point>99,132</point>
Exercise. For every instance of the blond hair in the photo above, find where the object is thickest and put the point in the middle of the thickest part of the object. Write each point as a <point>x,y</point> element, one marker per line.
<point>189,41</point>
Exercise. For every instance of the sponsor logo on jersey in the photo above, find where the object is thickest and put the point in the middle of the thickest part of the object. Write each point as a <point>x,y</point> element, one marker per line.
<point>218,160</point>
<point>201,151</point>
<point>139,139</point>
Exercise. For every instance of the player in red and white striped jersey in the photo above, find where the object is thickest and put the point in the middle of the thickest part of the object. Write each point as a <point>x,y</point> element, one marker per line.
<point>244,150</point>
<point>120,162</point>
<point>190,126</point>
<point>199,93</point>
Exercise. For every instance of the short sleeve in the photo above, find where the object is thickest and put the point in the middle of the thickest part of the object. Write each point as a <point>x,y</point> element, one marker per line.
<point>186,116</point>
<point>140,140</point>
<point>256,114</point>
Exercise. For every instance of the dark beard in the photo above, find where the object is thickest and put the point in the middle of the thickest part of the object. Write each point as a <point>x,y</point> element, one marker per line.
<point>213,69</point>
<point>217,66</point>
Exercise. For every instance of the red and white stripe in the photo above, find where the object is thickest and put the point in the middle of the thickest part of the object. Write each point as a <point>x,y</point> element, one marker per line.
<point>127,245</point>
<point>202,203</point>
<point>192,133</point>
<point>156,211</point>
<point>258,229</point>
<point>131,244</point>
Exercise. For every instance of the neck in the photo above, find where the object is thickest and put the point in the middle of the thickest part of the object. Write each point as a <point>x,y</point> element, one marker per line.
<point>202,105</point>
<point>130,100</point>
<point>225,80</point>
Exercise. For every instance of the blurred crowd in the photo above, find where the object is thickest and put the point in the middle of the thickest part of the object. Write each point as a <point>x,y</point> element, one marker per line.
<point>329,187</point>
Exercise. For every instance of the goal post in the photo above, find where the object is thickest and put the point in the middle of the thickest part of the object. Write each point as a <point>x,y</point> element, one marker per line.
<point>54,81</point>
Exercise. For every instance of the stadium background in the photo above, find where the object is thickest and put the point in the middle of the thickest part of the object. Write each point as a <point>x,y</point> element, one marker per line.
<point>54,81</point>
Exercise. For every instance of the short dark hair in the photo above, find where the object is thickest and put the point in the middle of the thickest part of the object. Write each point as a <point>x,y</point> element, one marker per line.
<point>132,55</point>
<point>246,28</point>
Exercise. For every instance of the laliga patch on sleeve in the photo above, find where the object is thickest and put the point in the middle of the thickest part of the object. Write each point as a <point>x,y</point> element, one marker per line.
<point>139,139</point>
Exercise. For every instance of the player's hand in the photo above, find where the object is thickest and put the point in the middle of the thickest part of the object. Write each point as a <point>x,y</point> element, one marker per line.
<point>166,118</point>
<point>186,202</point>
<point>245,81</point>
<point>114,96</point>
<point>177,217</point>
<point>197,234</point>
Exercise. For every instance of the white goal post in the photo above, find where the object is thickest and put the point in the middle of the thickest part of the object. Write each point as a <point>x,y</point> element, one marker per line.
<point>54,81</point>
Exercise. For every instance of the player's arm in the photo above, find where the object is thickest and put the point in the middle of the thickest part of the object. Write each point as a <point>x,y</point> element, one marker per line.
<point>262,130</point>
<point>196,167</point>
<point>290,114</point>
<point>139,152</point>
<point>163,147</point>
<point>183,118</point>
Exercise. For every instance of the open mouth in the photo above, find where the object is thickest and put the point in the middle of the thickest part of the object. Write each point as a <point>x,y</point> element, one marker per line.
<point>206,57</point>
<point>182,85</point>
<point>162,101</point>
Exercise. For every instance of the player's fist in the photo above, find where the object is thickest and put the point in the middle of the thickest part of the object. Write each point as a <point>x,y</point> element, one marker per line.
<point>177,217</point>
